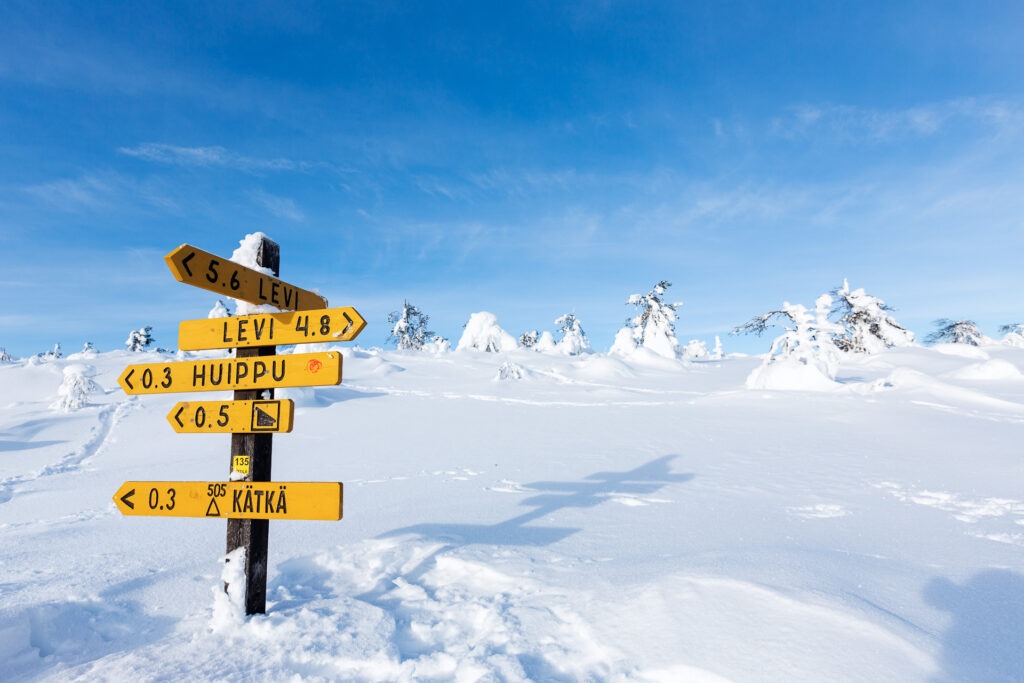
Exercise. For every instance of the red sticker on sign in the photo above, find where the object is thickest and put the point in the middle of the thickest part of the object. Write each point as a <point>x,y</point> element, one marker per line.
<point>314,366</point>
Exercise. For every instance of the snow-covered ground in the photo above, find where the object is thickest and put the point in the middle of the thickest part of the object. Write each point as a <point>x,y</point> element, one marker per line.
<point>598,518</point>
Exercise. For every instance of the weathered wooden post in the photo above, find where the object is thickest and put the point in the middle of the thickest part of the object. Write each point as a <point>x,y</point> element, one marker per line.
<point>251,456</point>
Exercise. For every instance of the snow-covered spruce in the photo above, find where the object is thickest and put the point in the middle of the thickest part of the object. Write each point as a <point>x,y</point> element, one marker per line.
<point>483,333</point>
<point>74,391</point>
<point>409,328</point>
<point>1013,335</point>
<point>653,327</point>
<point>140,339</point>
<point>957,332</point>
<point>867,325</point>
<point>804,355</point>
<point>527,340</point>
<point>4,356</point>
<point>574,340</point>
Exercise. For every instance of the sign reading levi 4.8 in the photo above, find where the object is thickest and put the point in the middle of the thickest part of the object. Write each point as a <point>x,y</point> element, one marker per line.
<point>258,372</point>
<point>215,274</point>
<point>271,329</point>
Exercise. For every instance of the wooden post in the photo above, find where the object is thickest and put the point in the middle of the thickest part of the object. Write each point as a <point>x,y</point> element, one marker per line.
<point>253,534</point>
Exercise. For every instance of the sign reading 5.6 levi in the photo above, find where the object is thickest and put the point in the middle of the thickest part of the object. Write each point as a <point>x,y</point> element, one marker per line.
<point>204,270</point>
<point>258,372</point>
<point>271,329</point>
<point>231,499</point>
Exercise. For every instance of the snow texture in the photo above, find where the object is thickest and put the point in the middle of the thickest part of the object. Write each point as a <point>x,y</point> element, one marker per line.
<point>614,518</point>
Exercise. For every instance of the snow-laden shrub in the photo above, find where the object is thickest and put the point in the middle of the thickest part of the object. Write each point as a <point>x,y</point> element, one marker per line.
<point>804,355</point>
<point>957,332</point>
<point>511,371</point>
<point>483,333</point>
<point>546,343</point>
<point>653,327</point>
<point>74,391</point>
<point>695,349</point>
<point>1013,334</point>
<point>219,310</point>
<point>527,340</point>
<point>867,325</point>
<point>140,339</point>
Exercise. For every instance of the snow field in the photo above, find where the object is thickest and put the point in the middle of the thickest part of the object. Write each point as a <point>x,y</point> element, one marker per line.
<point>602,518</point>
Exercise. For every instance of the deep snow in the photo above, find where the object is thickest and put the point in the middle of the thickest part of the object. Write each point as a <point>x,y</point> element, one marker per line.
<point>598,518</point>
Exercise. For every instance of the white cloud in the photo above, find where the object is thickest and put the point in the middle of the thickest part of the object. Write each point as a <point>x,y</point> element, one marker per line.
<point>207,156</point>
<point>281,207</point>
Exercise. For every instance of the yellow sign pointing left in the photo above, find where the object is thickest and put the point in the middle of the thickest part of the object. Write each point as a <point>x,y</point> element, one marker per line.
<point>231,499</point>
<point>258,372</point>
<point>223,276</point>
<point>232,417</point>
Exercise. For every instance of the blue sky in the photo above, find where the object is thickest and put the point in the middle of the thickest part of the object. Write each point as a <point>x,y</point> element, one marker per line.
<point>527,159</point>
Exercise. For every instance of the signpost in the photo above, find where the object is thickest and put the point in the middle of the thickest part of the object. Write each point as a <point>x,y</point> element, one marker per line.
<point>270,329</point>
<point>249,500</point>
<point>231,417</point>
<point>231,499</point>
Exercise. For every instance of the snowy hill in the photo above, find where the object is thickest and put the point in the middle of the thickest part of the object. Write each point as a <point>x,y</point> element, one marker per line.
<point>587,518</point>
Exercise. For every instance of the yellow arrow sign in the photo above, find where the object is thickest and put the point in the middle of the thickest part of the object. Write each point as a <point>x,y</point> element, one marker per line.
<point>231,499</point>
<point>271,329</point>
<point>258,372</point>
<point>232,417</point>
<point>204,270</point>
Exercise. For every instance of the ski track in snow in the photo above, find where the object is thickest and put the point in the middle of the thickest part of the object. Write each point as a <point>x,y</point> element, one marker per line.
<point>107,418</point>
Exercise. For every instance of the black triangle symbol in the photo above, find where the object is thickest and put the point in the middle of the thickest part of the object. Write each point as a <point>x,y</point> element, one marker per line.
<point>213,510</point>
<point>264,419</point>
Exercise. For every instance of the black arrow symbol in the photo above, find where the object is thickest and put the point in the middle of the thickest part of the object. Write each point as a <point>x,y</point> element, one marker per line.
<point>128,379</point>
<point>125,497</point>
<point>184,263</point>
<point>348,327</point>
<point>177,416</point>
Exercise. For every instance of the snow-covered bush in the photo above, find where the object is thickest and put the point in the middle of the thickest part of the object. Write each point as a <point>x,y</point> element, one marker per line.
<point>511,371</point>
<point>528,339</point>
<point>546,343</point>
<point>483,333</point>
<point>695,349</point>
<point>4,356</point>
<point>140,339</point>
<point>75,389</point>
<point>957,332</point>
<point>219,310</point>
<point>804,355</point>
<point>1013,334</point>
<point>574,340</point>
<point>409,328</point>
<point>867,325</point>
<point>653,327</point>
<point>53,354</point>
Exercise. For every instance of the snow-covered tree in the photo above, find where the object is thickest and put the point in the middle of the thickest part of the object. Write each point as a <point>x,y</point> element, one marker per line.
<point>219,310</point>
<point>483,333</point>
<point>527,340</point>
<point>409,328</point>
<point>574,340</point>
<point>868,327</point>
<point>75,389</point>
<point>53,354</point>
<point>4,356</point>
<point>805,344</point>
<point>957,332</point>
<point>140,339</point>
<point>717,353</point>
<point>511,371</point>
<point>653,327</point>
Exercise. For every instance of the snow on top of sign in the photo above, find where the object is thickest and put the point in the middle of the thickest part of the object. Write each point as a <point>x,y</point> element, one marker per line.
<point>247,254</point>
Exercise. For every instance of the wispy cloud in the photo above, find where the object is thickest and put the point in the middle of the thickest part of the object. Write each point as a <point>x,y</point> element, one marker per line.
<point>103,191</point>
<point>851,124</point>
<point>281,207</point>
<point>208,156</point>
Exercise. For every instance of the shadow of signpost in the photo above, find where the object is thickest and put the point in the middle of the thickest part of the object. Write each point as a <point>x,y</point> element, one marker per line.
<point>554,496</point>
<point>986,639</point>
